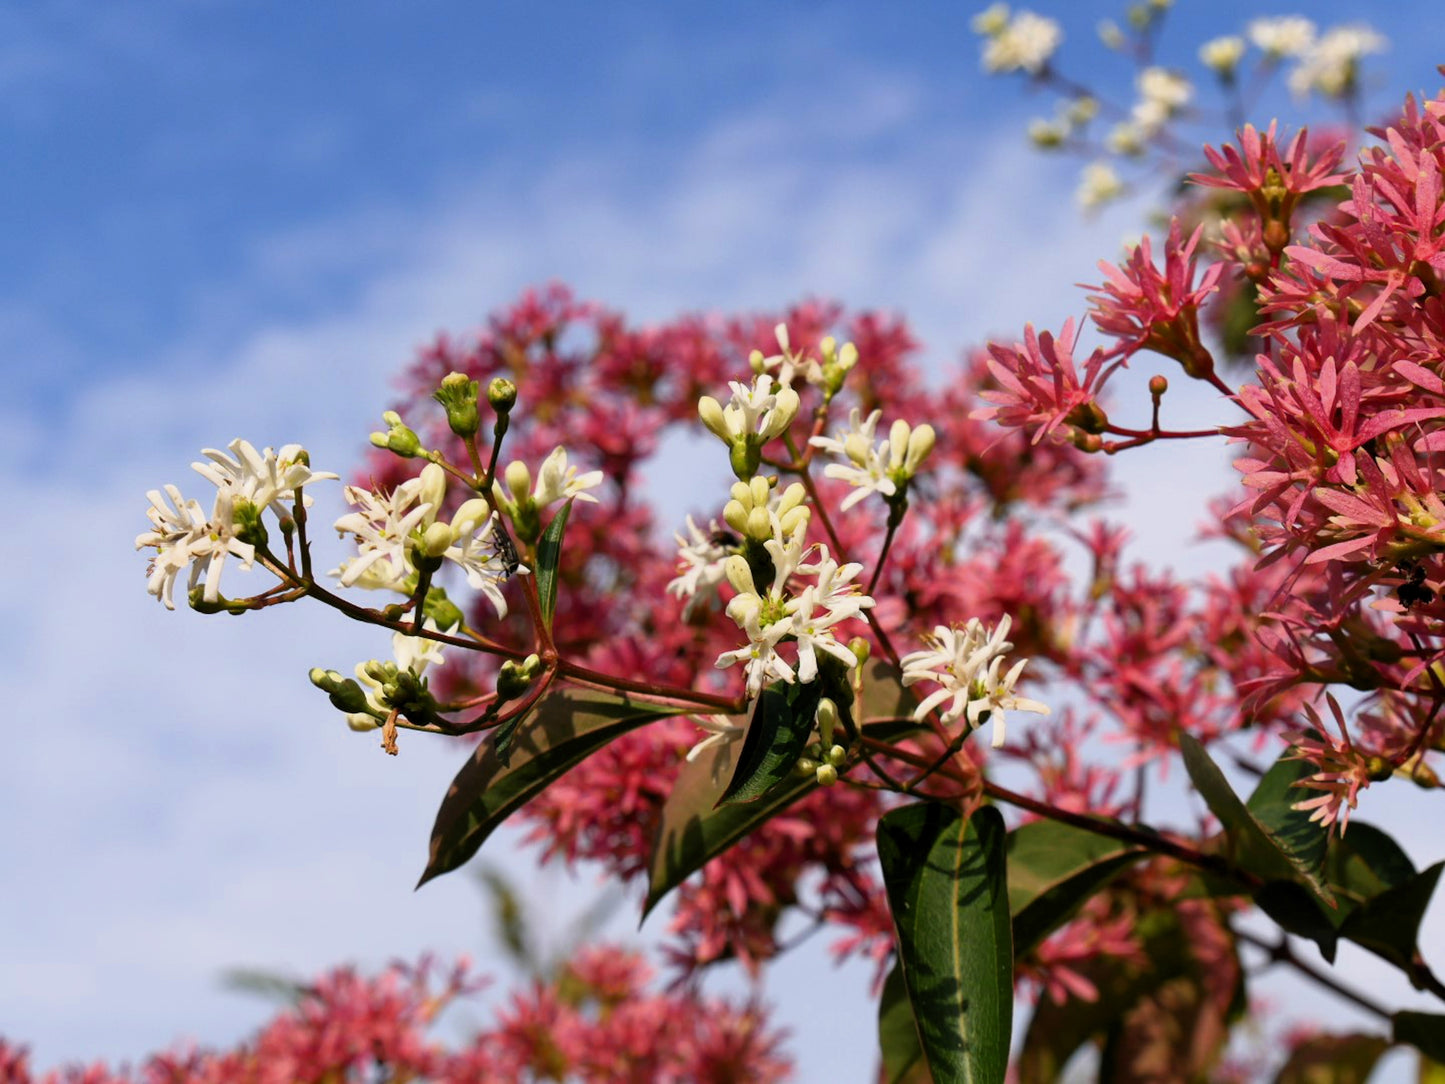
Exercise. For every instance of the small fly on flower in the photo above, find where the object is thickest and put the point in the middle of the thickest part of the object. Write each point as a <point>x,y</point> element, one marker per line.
<point>505,549</point>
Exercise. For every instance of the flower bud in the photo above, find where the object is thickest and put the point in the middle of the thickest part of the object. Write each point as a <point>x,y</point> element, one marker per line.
<point>860,649</point>
<point>920,443</point>
<point>739,574</point>
<point>735,515</point>
<point>826,775</point>
<point>836,756</point>
<point>1158,385</point>
<point>711,413</point>
<point>436,540</point>
<point>827,719</point>
<point>757,363</point>
<point>501,394</point>
<point>457,394</point>
<point>795,518</point>
<point>760,490</point>
<point>398,439</point>
<point>759,524</point>
<point>518,479</point>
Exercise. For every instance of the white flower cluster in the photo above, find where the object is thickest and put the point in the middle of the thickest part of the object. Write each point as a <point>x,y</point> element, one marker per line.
<point>1098,185</point>
<point>870,468</point>
<point>701,558</point>
<point>771,615</point>
<point>753,414</point>
<point>183,536</point>
<point>414,653</point>
<point>1331,65</point>
<point>392,530</point>
<point>965,664</point>
<point>1024,42</point>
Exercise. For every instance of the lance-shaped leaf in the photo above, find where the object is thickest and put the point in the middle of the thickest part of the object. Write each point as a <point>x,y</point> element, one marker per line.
<point>1389,924</point>
<point>693,828</point>
<point>1257,849</point>
<point>1052,869</point>
<point>947,884</point>
<point>903,1061</point>
<point>781,724</point>
<point>566,725</point>
<point>549,555</point>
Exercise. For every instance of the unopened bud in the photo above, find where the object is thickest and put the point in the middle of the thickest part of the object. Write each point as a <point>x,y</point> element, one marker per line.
<point>711,413</point>
<point>518,478</point>
<point>836,756</point>
<point>920,443</point>
<point>860,648</point>
<point>436,540</point>
<point>827,719</point>
<point>399,439</point>
<point>1158,385</point>
<point>826,775</point>
<point>458,396</point>
<point>501,394</point>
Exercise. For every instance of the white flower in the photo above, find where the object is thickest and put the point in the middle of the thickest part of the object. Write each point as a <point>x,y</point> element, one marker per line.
<point>965,665</point>
<point>787,363</point>
<point>992,20</point>
<point>1283,35</point>
<point>383,526</point>
<point>1222,55</point>
<point>259,477</point>
<point>1098,185</point>
<point>1126,137</point>
<point>807,618</point>
<point>700,567</point>
<point>1331,66</point>
<point>754,414</point>
<point>1025,44</point>
<point>1162,94</point>
<point>759,654</point>
<point>474,531</point>
<point>557,481</point>
<point>183,537</point>
<point>722,734</point>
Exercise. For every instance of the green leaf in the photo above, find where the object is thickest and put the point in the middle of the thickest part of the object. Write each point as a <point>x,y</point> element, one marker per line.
<point>1302,840</point>
<point>1362,863</point>
<point>1292,906</point>
<point>1389,924</point>
<point>1052,869</point>
<point>781,724</point>
<point>1425,1031</point>
<point>897,1034</point>
<point>549,554</point>
<point>947,880</point>
<point>566,726</point>
<point>694,828</point>
<point>1256,848</point>
<point>1333,1059</point>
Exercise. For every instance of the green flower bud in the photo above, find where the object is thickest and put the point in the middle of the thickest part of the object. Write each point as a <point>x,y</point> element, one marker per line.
<point>827,719</point>
<point>398,439</point>
<point>836,756</point>
<point>502,394</point>
<point>826,775</point>
<point>458,396</point>
<point>446,613</point>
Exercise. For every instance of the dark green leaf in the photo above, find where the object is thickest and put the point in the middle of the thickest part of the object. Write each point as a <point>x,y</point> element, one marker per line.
<point>947,881</point>
<point>1301,839</point>
<point>781,724</point>
<point>1425,1031</point>
<point>694,828</point>
<point>1296,910</point>
<point>566,725</point>
<point>1256,850</point>
<point>1052,869</point>
<point>897,1035</point>
<point>549,554</point>
<point>1333,1059</point>
<point>1362,863</point>
<point>1389,924</point>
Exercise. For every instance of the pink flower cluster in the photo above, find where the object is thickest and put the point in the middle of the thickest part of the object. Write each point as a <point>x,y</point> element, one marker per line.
<point>596,1021</point>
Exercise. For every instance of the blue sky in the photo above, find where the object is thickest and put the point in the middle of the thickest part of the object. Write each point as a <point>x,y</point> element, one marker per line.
<point>229,219</point>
